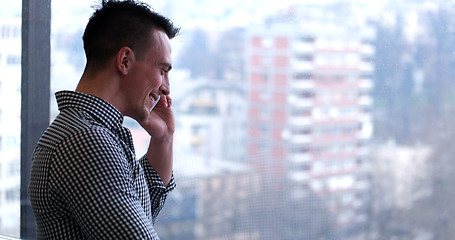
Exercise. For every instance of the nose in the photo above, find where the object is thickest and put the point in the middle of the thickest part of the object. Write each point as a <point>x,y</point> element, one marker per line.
<point>165,88</point>
<point>164,91</point>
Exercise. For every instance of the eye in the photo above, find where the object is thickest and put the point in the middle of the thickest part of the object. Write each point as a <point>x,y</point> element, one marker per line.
<point>165,69</point>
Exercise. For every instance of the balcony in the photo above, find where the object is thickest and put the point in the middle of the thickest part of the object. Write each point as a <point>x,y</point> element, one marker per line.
<point>300,157</point>
<point>367,50</point>
<point>298,176</point>
<point>302,66</point>
<point>302,85</point>
<point>366,67</point>
<point>299,102</point>
<point>366,101</point>
<point>300,121</point>
<point>366,84</point>
<point>301,47</point>
<point>300,139</point>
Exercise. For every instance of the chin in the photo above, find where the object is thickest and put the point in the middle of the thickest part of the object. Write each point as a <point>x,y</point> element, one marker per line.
<point>143,116</point>
<point>140,116</point>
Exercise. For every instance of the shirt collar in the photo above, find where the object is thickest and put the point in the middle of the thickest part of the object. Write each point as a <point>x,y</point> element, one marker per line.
<point>99,109</point>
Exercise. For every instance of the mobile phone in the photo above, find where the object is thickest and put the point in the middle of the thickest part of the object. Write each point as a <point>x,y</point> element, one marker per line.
<point>156,102</point>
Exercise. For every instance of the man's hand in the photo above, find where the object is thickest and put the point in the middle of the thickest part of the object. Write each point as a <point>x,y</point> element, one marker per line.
<point>161,123</point>
<point>161,126</point>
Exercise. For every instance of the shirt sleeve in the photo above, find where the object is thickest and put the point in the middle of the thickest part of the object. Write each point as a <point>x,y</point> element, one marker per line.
<point>92,175</point>
<point>158,192</point>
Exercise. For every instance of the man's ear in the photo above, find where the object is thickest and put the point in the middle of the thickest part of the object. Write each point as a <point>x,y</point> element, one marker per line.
<point>124,59</point>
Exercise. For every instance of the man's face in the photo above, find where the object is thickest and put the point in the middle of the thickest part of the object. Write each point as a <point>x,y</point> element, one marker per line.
<point>149,78</point>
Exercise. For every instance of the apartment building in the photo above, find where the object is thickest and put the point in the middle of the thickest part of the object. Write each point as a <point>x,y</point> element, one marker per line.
<point>210,117</point>
<point>309,84</point>
<point>10,124</point>
<point>214,182</point>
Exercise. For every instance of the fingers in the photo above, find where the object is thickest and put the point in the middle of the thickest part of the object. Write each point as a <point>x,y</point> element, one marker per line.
<point>167,101</point>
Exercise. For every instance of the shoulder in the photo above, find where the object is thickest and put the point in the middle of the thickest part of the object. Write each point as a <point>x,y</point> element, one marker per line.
<point>93,142</point>
<point>73,139</point>
<point>89,152</point>
<point>70,124</point>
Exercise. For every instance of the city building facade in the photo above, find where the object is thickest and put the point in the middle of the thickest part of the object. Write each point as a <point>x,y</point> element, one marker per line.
<point>10,124</point>
<point>309,86</point>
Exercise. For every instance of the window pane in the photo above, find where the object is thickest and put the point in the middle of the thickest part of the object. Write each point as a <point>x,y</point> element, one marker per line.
<point>67,54</point>
<point>10,121</point>
<point>314,120</point>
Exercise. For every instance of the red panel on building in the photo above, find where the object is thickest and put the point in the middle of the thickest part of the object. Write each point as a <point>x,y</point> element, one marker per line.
<point>280,80</point>
<point>254,132</point>
<point>256,61</point>
<point>256,79</point>
<point>281,61</point>
<point>255,96</point>
<point>279,116</point>
<point>280,98</point>
<point>256,42</point>
<point>253,149</point>
<point>281,42</point>
<point>277,134</point>
<point>254,114</point>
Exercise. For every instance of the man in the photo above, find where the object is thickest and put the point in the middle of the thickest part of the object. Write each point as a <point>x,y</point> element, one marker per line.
<point>86,182</point>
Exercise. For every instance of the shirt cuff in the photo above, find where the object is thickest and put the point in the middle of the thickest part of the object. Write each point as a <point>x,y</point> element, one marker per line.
<point>154,179</point>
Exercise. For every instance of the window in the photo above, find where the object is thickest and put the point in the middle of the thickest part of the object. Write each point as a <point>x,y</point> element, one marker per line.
<point>13,60</point>
<point>10,109</point>
<point>358,145</point>
<point>12,196</point>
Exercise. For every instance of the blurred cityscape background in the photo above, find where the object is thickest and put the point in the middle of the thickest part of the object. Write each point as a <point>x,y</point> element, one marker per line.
<point>295,119</point>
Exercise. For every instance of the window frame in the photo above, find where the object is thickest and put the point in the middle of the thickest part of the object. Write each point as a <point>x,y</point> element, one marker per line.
<point>35,96</point>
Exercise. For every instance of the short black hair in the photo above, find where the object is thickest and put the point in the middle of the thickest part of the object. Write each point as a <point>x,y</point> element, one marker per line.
<point>117,24</point>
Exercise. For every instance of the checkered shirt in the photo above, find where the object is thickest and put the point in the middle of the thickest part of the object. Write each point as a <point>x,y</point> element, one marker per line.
<point>86,182</point>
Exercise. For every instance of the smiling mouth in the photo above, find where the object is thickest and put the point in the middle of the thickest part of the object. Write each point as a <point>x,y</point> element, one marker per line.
<point>155,101</point>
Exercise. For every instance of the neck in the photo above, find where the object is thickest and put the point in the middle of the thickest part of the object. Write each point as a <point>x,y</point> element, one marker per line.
<point>101,85</point>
